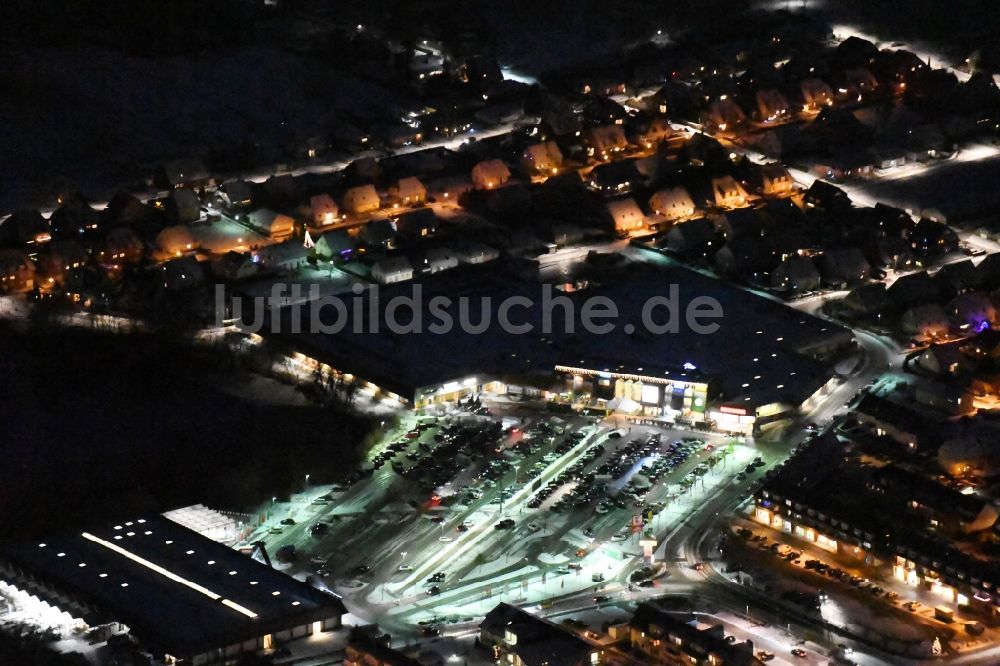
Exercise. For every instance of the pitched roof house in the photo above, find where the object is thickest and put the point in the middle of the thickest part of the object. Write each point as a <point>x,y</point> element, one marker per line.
<point>274,225</point>
<point>17,272</point>
<point>816,94</point>
<point>323,210</point>
<point>176,241</point>
<point>542,158</point>
<point>728,193</point>
<point>238,193</point>
<point>724,115</point>
<point>490,174</point>
<point>604,140</point>
<point>926,321</point>
<point>392,269</point>
<point>673,204</point>
<point>24,227</point>
<point>184,205</point>
<point>361,199</point>
<point>336,244</point>
<point>626,216</point>
<point>408,191</point>
<point>771,105</point>
<point>776,181</point>
<point>843,266</point>
<point>795,274</point>
<point>120,246</point>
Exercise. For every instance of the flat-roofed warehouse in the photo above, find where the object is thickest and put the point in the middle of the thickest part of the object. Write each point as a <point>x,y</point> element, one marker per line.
<point>765,361</point>
<point>183,596</point>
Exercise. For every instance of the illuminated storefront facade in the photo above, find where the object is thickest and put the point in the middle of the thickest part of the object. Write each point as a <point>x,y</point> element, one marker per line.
<point>634,393</point>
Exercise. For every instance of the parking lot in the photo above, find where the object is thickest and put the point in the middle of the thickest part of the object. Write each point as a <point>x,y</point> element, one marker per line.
<point>459,512</point>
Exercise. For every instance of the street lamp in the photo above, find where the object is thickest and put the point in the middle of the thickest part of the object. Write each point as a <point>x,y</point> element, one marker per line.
<point>307,479</point>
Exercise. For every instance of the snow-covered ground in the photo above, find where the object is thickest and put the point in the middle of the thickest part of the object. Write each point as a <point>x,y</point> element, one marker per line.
<point>100,120</point>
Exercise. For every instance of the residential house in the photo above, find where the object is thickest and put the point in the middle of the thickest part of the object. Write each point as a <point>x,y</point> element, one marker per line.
<point>323,210</point>
<point>796,274</point>
<point>673,204</point>
<point>666,638</point>
<point>124,209</point>
<point>824,196</point>
<point>910,290</point>
<point>741,222</point>
<point>120,246</point>
<point>235,266</point>
<point>361,199</point>
<point>24,228</point>
<point>476,253</point>
<point>17,272</point>
<point>932,239</point>
<point>437,259</point>
<point>544,158</point>
<point>704,150</point>
<point>391,270</point>
<point>336,245</point>
<point>73,218</point>
<point>855,51</point>
<point>988,272</point>
<point>59,258</point>
<point>972,311</point>
<point>859,83</point>
<point>654,131</point>
<point>626,216</point>
<point>416,224</point>
<point>691,238</point>
<point>184,205</point>
<point>378,234</point>
<point>448,189</point>
<point>490,174</point>
<point>771,105</point>
<point>776,181</point>
<point>728,193</point>
<point>288,256</point>
<point>182,273</point>
<point>276,226</point>
<point>408,191</point>
<point>603,141</point>
<point>614,178</point>
<point>956,278</point>
<point>843,267</point>
<point>238,194</point>
<point>744,255</point>
<point>925,322</point>
<point>816,95</point>
<point>186,173</point>
<point>724,115</point>
<point>517,637</point>
<point>867,300</point>
<point>944,359</point>
<point>175,241</point>
<point>281,191</point>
